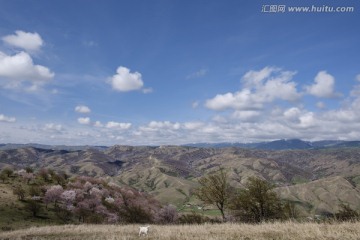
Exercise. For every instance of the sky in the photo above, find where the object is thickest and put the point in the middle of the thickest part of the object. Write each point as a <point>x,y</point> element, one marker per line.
<point>156,72</point>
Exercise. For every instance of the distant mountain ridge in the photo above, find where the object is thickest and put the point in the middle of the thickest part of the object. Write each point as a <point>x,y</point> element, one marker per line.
<point>281,144</point>
<point>8,146</point>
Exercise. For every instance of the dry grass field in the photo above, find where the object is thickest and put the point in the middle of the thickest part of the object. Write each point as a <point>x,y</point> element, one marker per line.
<point>278,231</point>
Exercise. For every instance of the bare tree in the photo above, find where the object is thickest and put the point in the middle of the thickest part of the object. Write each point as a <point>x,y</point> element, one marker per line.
<point>215,189</point>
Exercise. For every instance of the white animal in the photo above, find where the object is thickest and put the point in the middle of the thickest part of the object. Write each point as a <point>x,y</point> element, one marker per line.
<point>144,230</point>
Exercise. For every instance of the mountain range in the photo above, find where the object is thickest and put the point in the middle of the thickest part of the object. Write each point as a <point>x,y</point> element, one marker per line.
<point>316,176</point>
<point>282,144</point>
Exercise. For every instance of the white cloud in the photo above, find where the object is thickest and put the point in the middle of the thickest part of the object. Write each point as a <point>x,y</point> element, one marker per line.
<point>164,125</point>
<point>193,125</point>
<point>85,120</point>
<point>52,127</point>
<point>261,87</point>
<point>243,100</point>
<point>355,92</point>
<point>4,118</point>
<point>20,68</point>
<point>246,115</point>
<point>307,120</point>
<point>118,125</point>
<point>292,113</point>
<point>29,41</point>
<point>346,115</point>
<point>125,81</point>
<point>257,113</point>
<point>219,119</point>
<point>279,87</point>
<point>202,72</point>
<point>82,109</point>
<point>98,124</point>
<point>323,86</point>
<point>255,78</point>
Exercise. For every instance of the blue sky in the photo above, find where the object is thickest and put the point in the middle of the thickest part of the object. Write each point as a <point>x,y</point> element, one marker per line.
<point>174,72</point>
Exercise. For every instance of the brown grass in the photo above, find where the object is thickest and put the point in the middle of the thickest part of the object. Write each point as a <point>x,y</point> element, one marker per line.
<point>278,231</point>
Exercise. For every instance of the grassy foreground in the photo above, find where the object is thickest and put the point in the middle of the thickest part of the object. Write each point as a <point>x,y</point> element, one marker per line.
<point>277,231</point>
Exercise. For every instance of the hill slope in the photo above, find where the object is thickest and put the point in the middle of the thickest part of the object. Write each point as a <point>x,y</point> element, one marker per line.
<point>170,172</point>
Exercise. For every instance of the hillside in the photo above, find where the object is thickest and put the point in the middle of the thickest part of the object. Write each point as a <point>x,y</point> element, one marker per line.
<point>170,172</point>
<point>318,197</point>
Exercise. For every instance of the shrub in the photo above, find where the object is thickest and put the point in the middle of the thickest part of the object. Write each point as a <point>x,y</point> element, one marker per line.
<point>19,191</point>
<point>33,206</point>
<point>7,171</point>
<point>167,215</point>
<point>193,218</point>
<point>35,191</point>
<point>3,177</point>
<point>63,214</point>
<point>346,213</point>
<point>7,228</point>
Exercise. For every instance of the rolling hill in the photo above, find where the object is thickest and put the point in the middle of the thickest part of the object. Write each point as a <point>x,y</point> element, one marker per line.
<point>317,179</point>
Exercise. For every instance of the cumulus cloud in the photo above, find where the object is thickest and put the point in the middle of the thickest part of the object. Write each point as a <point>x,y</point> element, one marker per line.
<point>292,113</point>
<point>260,87</point>
<point>118,125</point>
<point>246,115</point>
<point>255,78</point>
<point>243,100</point>
<point>4,118</point>
<point>82,109</point>
<point>307,120</point>
<point>21,68</point>
<point>28,41</point>
<point>125,81</point>
<point>323,86</point>
<point>84,120</point>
